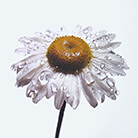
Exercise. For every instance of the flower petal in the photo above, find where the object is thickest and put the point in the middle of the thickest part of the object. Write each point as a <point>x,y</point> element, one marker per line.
<point>103,40</point>
<point>88,93</point>
<point>72,94</point>
<point>59,99</point>
<point>106,66</point>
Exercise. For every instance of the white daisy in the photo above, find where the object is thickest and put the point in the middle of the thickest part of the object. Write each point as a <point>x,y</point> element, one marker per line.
<point>64,65</point>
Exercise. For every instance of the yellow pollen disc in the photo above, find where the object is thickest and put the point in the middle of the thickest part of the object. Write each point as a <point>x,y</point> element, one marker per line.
<point>69,54</point>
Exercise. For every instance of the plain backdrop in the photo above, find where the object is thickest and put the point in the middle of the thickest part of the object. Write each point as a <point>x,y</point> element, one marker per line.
<point>20,118</point>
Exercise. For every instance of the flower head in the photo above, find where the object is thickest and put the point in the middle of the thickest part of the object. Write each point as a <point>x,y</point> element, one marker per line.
<point>64,65</point>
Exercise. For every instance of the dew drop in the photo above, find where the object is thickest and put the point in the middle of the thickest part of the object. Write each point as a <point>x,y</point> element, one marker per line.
<point>102,65</point>
<point>54,87</point>
<point>55,76</point>
<point>64,88</point>
<point>42,79</point>
<point>67,94</point>
<point>110,82</point>
<point>101,75</point>
<point>117,92</point>
<point>42,62</point>
<point>112,90</point>
<point>113,97</point>
<point>89,78</point>
<point>93,90</point>
<point>34,81</point>
<point>61,75</point>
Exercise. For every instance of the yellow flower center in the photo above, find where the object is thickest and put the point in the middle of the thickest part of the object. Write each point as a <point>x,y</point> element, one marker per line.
<point>69,54</point>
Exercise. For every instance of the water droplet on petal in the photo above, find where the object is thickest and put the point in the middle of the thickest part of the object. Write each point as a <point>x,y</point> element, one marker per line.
<point>93,90</point>
<point>54,87</point>
<point>113,97</point>
<point>102,65</point>
<point>42,78</point>
<point>61,75</point>
<point>110,82</point>
<point>117,92</point>
<point>67,94</point>
<point>89,78</point>
<point>112,90</point>
<point>101,75</point>
<point>34,81</point>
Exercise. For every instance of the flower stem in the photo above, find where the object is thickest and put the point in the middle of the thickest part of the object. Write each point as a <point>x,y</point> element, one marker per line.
<point>60,118</point>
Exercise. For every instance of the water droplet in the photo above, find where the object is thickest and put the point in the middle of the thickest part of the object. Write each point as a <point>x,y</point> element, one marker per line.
<point>89,78</point>
<point>34,81</point>
<point>35,47</point>
<point>113,97</point>
<point>110,82</point>
<point>93,90</point>
<point>42,78</point>
<point>64,88</point>
<point>101,75</point>
<point>67,94</point>
<point>61,75</point>
<point>42,61</point>
<point>102,65</point>
<point>55,76</point>
<point>54,87</point>
<point>117,92</point>
<point>112,90</point>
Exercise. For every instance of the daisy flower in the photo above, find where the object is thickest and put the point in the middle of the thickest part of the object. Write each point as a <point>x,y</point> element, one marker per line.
<point>63,65</point>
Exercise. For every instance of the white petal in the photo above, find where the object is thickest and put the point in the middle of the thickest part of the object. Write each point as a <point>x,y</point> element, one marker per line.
<point>41,93</point>
<point>106,66</point>
<point>108,89</point>
<point>88,94</point>
<point>71,90</point>
<point>103,40</point>
<point>59,99</point>
<point>98,34</point>
<point>107,48</point>
<point>38,85</point>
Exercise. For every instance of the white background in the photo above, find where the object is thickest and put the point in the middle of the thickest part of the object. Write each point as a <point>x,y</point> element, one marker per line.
<point>20,118</point>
